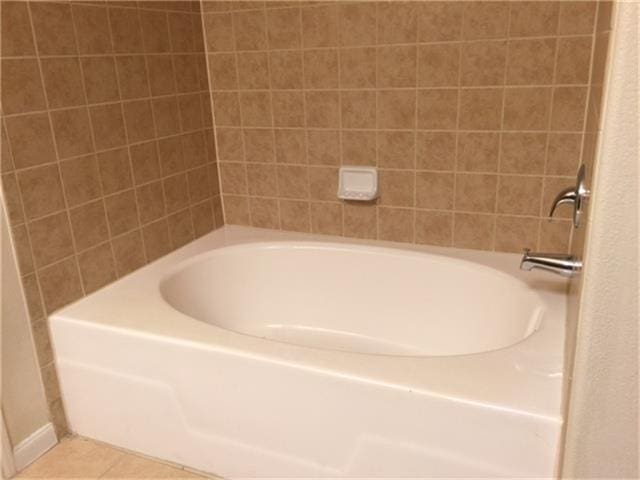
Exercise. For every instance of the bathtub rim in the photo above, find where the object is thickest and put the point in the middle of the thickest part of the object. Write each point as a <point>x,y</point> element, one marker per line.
<point>531,385</point>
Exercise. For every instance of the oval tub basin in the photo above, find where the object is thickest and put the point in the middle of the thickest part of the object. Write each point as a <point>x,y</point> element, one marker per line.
<point>356,298</point>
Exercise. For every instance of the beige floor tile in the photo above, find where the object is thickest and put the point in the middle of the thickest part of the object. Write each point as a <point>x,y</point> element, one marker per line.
<point>132,466</point>
<point>74,458</point>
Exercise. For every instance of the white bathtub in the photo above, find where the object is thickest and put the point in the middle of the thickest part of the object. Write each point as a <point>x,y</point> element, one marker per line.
<point>253,353</point>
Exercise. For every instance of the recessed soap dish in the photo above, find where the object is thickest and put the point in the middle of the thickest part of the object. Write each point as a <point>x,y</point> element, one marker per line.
<point>358,183</point>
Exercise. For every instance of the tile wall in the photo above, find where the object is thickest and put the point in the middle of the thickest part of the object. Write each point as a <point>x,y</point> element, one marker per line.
<point>108,153</point>
<point>473,112</point>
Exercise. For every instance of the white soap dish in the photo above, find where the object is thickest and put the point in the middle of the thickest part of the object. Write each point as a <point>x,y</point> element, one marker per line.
<point>358,183</point>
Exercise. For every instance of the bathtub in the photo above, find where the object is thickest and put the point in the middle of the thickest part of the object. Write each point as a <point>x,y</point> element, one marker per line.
<point>255,353</point>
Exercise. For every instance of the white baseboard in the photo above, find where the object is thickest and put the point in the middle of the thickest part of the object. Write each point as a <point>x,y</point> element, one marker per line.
<point>34,446</point>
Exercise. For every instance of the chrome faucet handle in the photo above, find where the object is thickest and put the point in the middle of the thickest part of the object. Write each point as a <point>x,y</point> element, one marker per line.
<point>576,195</point>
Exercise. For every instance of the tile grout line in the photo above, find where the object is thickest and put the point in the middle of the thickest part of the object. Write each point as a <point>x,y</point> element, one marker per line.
<point>57,162</point>
<point>452,233</point>
<point>127,138</point>
<point>93,143</point>
<point>304,118</point>
<point>502,130</point>
<point>549,131</point>
<point>214,125</point>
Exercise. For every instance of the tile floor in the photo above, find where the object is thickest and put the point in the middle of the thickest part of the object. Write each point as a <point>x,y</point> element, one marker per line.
<point>80,458</point>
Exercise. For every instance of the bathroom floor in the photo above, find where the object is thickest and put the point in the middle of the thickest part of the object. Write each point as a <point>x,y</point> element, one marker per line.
<point>78,457</point>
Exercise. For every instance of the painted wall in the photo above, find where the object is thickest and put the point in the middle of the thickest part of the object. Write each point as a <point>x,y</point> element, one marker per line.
<point>24,405</point>
<point>602,424</point>
<point>472,111</point>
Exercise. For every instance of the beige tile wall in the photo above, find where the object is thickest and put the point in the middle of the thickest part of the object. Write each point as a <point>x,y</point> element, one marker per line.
<point>108,154</point>
<point>473,112</point>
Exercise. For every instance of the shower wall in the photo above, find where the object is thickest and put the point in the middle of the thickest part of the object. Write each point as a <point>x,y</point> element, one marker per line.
<point>473,112</point>
<point>108,153</point>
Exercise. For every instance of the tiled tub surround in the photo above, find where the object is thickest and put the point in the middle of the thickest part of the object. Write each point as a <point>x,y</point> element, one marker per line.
<point>474,113</point>
<point>108,155</point>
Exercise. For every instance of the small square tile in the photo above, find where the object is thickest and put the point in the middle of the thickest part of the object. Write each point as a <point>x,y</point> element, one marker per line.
<point>115,170</point>
<point>31,140</point>
<point>256,109</point>
<point>357,24</point>
<point>72,132</point>
<point>294,215</point>
<point>396,108</point>
<point>138,118</point>
<point>288,109</point>
<point>53,28</point>
<point>523,153</point>
<point>323,147</point>
<point>286,70</point>
<point>476,192</point>
<point>514,234</point>
<point>126,31</point>
<point>50,239</point>
<point>360,220</point>
<point>108,126</point>
<point>60,285</point>
<point>100,81</point>
<point>531,62</point>
<point>122,212</point>
<point>519,195</point>
<point>438,65</point>
<point>480,109</point>
<point>397,188</point>
<point>434,190</point>
<point>290,146</point>
<point>436,151</point>
<point>439,21</point>
<point>97,267</point>
<point>250,30</point>
<point>41,190</point>
<point>321,68</point>
<point>264,213</point>
<point>396,149</point>
<point>155,31</point>
<point>17,36</point>
<point>92,29</point>
<point>128,252</point>
<point>484,20</point>
<point>359,148</point>
<point>397,22</point>
<point>89,225</point>
<point>63,82</point>
<point>529,19</point>
<point>396,66</point>
<point>358,68</point>
<point>434,228</point>
<point>473,231</point>
<point>319,26</point>
<point>132,76</point>
<point>478,152</point>
<point>483,63</point>
<point>21,86</point>
<point>437,109</point>
<point>395,224</point>
<point>253,70</point>
<point>284,28</point>
<point>259,145</point>
<point>526,108</point>
<point>81,179</point>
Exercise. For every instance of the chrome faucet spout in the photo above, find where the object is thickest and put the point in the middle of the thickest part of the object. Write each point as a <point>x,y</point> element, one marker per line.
<point>560,264</point>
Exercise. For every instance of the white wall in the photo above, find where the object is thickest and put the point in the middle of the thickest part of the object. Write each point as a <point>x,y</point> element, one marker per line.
<point>602,429</point>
